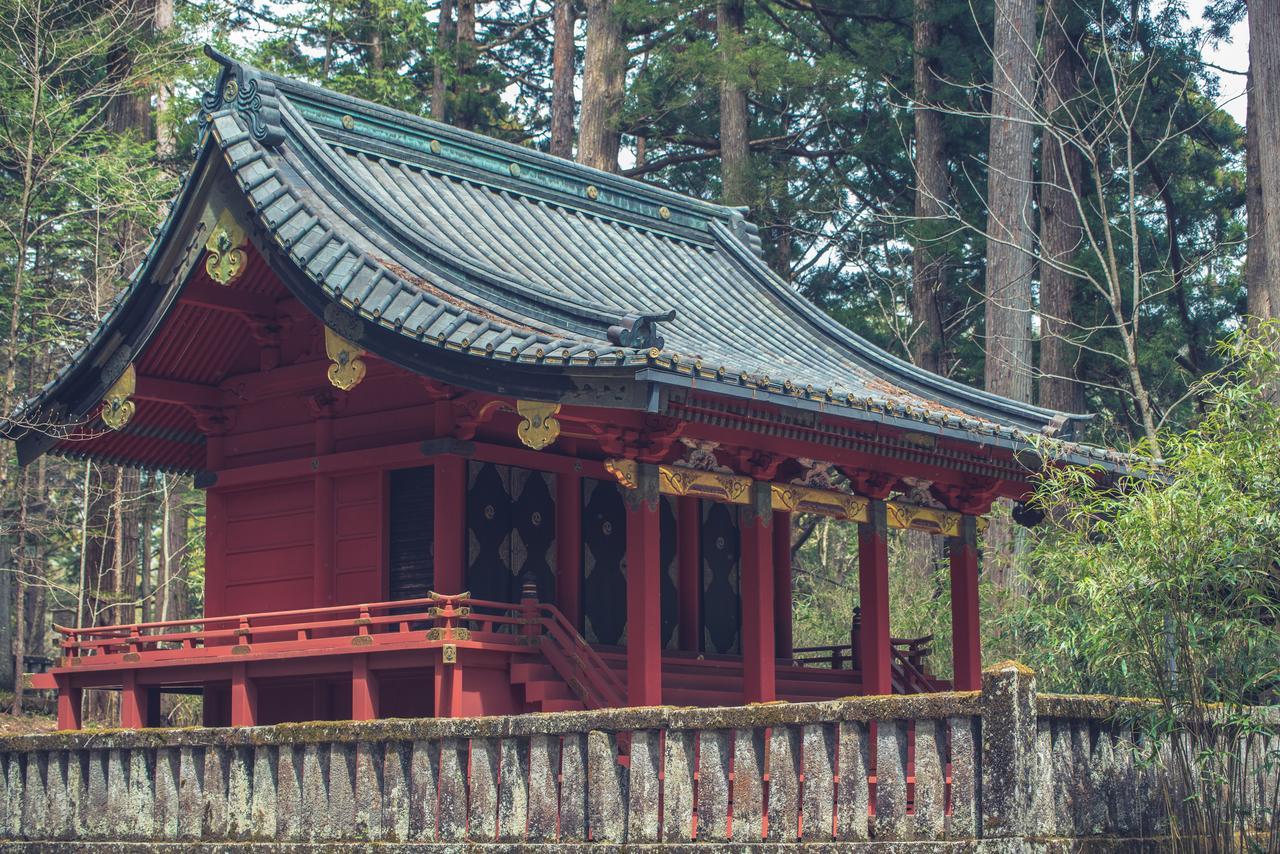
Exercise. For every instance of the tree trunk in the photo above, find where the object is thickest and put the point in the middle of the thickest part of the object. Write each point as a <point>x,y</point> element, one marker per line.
<point>439,61</point>
<point>1009,235</point>
<point>603,78</point>
<point>927,343</point>
<point>1009,214</point>
<point>1061,171</point>
<point>464,60</point>
<point>563,68</point>
<point>1264,143</point>
<point>166,144</point>
<point>735,154</point>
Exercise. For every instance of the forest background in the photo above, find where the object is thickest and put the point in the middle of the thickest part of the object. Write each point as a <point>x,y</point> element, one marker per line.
<point>1048,198</point>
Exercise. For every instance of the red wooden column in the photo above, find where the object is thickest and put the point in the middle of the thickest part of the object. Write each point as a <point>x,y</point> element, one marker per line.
<point>133,702</point>
<point>758,657</point>
<point>966,641</point>
<point>874,649</point>
<point>322,542</point>
<point>244,697</point>
<point>70,703</point>
<point>364,690</point>
<point>782,585</point>
<point>569,547</point>
<point>450,524</point>
<point>689,571</point>
<point>322,537</point>
<point>644,591</point>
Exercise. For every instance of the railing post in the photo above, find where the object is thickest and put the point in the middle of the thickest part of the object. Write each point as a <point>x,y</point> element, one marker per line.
<point>529,608</point>
<point>244,697</point>
<point>133,702</point>
<point>1008,749</point>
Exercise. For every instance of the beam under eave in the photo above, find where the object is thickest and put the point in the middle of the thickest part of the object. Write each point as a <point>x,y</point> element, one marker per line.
<point>204,294</point>
<point>161,390</point>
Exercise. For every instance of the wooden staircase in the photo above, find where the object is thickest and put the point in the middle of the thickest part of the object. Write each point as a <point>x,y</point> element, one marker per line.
<point>545,690</point>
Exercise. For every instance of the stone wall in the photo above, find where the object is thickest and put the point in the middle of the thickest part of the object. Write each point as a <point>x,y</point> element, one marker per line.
<point>998,769</point>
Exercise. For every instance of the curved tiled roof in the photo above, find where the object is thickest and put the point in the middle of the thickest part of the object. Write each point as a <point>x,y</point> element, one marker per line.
<point>451,240</point>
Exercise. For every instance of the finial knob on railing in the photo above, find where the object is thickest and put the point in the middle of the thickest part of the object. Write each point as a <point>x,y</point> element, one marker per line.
<point>529,589</point>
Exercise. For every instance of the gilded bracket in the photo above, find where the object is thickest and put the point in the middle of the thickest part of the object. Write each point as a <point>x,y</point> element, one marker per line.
<point>348,369</point>
<point>730,488</point>
<point>227,258</point>
<point>540,427</point>
<point>794,498</point>
<point>117,408</point>
<point>791,498</point>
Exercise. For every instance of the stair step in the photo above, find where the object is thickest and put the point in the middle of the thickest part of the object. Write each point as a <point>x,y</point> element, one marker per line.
<point>542,690</point>
<point>524,672</point>
<point>563,706</point>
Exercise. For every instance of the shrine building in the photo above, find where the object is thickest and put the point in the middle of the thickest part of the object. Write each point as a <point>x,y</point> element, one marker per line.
<point>485,431</point>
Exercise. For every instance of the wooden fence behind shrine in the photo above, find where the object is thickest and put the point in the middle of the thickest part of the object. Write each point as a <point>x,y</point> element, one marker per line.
<point>963,770</point>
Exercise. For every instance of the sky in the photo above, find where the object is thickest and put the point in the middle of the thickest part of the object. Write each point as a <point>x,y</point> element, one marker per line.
<point>1235,56</point>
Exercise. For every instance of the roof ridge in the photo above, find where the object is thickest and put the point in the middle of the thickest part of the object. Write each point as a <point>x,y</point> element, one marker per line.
<point>256,93</point>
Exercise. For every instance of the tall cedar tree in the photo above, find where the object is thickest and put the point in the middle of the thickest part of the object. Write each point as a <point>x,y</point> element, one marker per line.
<point>1061,173</point>
<point>603,79</point>
<point>1009,216</point>
<point>563,70</point>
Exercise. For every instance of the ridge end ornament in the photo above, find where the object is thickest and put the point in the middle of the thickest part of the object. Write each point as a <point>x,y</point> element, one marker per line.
<point>117,408</point>
<point>227,259</point>
<point>540,427</point>
<point>348,369</point>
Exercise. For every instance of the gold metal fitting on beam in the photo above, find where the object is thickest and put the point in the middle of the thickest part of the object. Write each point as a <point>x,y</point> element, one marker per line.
<point>540,427</point>
<point>227,258</point>
<point>348,369</point>
<point>449,654</point>
<point>117,408</point>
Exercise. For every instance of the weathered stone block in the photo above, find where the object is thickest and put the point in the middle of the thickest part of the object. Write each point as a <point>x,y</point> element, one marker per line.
<point>1008,748</point>
<point>852,790</point>
<point>606,790</point>
<point>715,751</point>
<point>784,784</point>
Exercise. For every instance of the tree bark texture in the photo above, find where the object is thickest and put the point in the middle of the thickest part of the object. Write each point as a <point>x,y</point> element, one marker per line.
<point>1009,215</point>
<point>1263,158</point>
<point>440,59</point>
<point>563,66</point>
<point>927,343</point>
<point>1061,169</point>
<point>735,155</point>
<point>603,78</point>
<point>464,60</point>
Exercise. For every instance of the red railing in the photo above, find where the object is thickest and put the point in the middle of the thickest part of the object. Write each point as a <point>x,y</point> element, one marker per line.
<point>435,621</point>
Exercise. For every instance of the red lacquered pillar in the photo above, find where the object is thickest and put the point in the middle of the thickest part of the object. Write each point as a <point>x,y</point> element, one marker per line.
<point>644,592</point>
<point>450,524</point>
<point>133,702</point>
<point>875,651</point>
<point>70,703</point>
<point>244,697</point>
<point>966,641</point>
<point>689,571</point>
<point>782,585</point>
<point>364,690</point>
<point>569,547</point>
<point>758,658</point>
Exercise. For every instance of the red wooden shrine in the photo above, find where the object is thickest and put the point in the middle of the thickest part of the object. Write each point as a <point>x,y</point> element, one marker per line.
<point>482,431</point>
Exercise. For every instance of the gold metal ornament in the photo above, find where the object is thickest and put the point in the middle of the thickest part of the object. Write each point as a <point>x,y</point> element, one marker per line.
<point>624,471</point>
<point>348,369</point>
<point>117,408</point>
<point>227,258</point>
<point>540,427</point>
<point>449,654</point>
<point>795,498</point>
<point>678,480</point>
